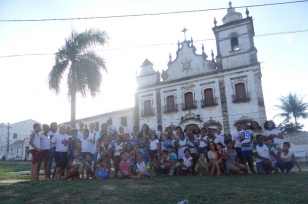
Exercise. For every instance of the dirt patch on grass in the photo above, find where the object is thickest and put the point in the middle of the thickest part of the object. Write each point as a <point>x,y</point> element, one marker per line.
<point>107,187</point>
<point>10,181</point>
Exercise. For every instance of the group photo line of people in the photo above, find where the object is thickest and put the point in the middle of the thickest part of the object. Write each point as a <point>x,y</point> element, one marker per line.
<point>88,154</point>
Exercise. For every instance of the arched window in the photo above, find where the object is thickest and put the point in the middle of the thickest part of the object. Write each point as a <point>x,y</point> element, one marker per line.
<point>189,102</point>
<point>209,98</point>
<point>241,95</point>
<point>234,44</point>
<point>170,104</point>
<point>147,108</point>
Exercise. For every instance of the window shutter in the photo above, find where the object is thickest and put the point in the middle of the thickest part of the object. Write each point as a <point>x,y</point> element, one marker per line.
<point>189,101</point>
<point>170,103</point>
<point>147,107</point>
<point>240,91</point>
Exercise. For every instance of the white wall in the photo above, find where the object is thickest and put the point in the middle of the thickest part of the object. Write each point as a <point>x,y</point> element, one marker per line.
<point>116,119</point>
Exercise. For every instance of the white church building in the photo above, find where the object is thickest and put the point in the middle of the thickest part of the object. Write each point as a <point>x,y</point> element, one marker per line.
<point>196,88</point>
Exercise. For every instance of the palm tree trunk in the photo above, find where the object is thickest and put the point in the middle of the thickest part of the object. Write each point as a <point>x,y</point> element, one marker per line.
<point>73,109</point>
<point>295,118</point>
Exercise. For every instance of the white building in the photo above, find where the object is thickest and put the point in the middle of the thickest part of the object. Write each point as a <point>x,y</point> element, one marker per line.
<point>19,132</point>
<point>195,88</point>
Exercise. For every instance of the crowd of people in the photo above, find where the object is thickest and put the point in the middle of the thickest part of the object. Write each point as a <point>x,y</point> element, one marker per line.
<point>86,153</point>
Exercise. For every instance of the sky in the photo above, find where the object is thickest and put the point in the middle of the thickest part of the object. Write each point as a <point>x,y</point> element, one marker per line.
<point>24,79</point>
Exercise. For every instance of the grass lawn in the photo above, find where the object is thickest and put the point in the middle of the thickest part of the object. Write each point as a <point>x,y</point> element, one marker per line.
<point>7,167</point>
<point>224,189</point>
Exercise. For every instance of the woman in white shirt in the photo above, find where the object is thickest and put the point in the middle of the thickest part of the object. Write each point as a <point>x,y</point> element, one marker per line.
<point>61,141</point>
<point>85,143</point>
<point>272,132</point>
<point>94,136</point>
<point>45,147</point>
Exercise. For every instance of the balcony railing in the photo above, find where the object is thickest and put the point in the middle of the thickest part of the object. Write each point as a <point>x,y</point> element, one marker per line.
<point>170,108</point>
<point>147,112</point>
<point>209,102</point>
<point>241,98</point>
<point>187,106</point>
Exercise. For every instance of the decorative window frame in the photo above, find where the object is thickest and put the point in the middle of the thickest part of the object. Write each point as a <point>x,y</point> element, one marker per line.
<point>167,95</point>
<point>243,80</point>
<point>192,91</point>
<point>208,87</point>
<point>146,99</point>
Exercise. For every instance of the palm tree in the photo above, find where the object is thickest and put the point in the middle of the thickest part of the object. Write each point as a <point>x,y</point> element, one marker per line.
<point>84,66</point>
<point>293,106</point>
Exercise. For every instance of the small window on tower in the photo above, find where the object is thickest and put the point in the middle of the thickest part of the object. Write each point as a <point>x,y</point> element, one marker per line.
<point>234,44</point>
<point>15,136</point>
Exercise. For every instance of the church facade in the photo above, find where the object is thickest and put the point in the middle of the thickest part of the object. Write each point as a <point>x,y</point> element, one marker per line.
<point>197,88</point>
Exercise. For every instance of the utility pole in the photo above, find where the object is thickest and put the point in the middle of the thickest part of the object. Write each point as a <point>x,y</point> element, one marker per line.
<point>8,138</point>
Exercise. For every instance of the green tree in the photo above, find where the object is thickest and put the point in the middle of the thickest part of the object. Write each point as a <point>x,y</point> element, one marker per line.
<point>289,127</point>
<point>84,66</point>
<point>293,106</point>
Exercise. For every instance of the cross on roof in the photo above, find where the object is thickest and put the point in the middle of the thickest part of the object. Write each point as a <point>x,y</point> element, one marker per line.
<point>184,31</point>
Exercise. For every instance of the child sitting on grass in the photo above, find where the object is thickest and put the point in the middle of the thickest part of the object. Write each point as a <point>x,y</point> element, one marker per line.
<point>125,168</point>
<point>143,169</point>
<point>88,166</point>
<point>75,166</point>
<point>187,163</point>
<point>212,155</point>
<point>232,162</point>
<point>202,165</point>
<point>164,164</point>
<point>102,169</point>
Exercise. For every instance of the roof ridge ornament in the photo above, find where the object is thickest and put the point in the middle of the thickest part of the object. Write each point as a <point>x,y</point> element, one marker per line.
<point>184,31</point>
<point>230,4</point>
<point>203,53</point>
<point>212,54</point>
<point>247,12</point>
<point>215,22</point>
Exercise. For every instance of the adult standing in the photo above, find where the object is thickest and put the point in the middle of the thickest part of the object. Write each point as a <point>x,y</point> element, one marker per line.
<point>85,143</point>
<point>35,151</point>
<point>45,147</point>
<point>144,136</point>
<point>256,130</point>
<point>53,130</point>
<point>246,141</point>
<point>73,144</point>
<point>220,135</point>
<point>82,125</point>
<point>271,132</point>
<point>61,141</point>
<point>94,137</point>
<point>236,137</point>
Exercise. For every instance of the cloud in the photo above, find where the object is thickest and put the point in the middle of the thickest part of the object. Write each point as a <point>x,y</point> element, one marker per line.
<point>288,38</point>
